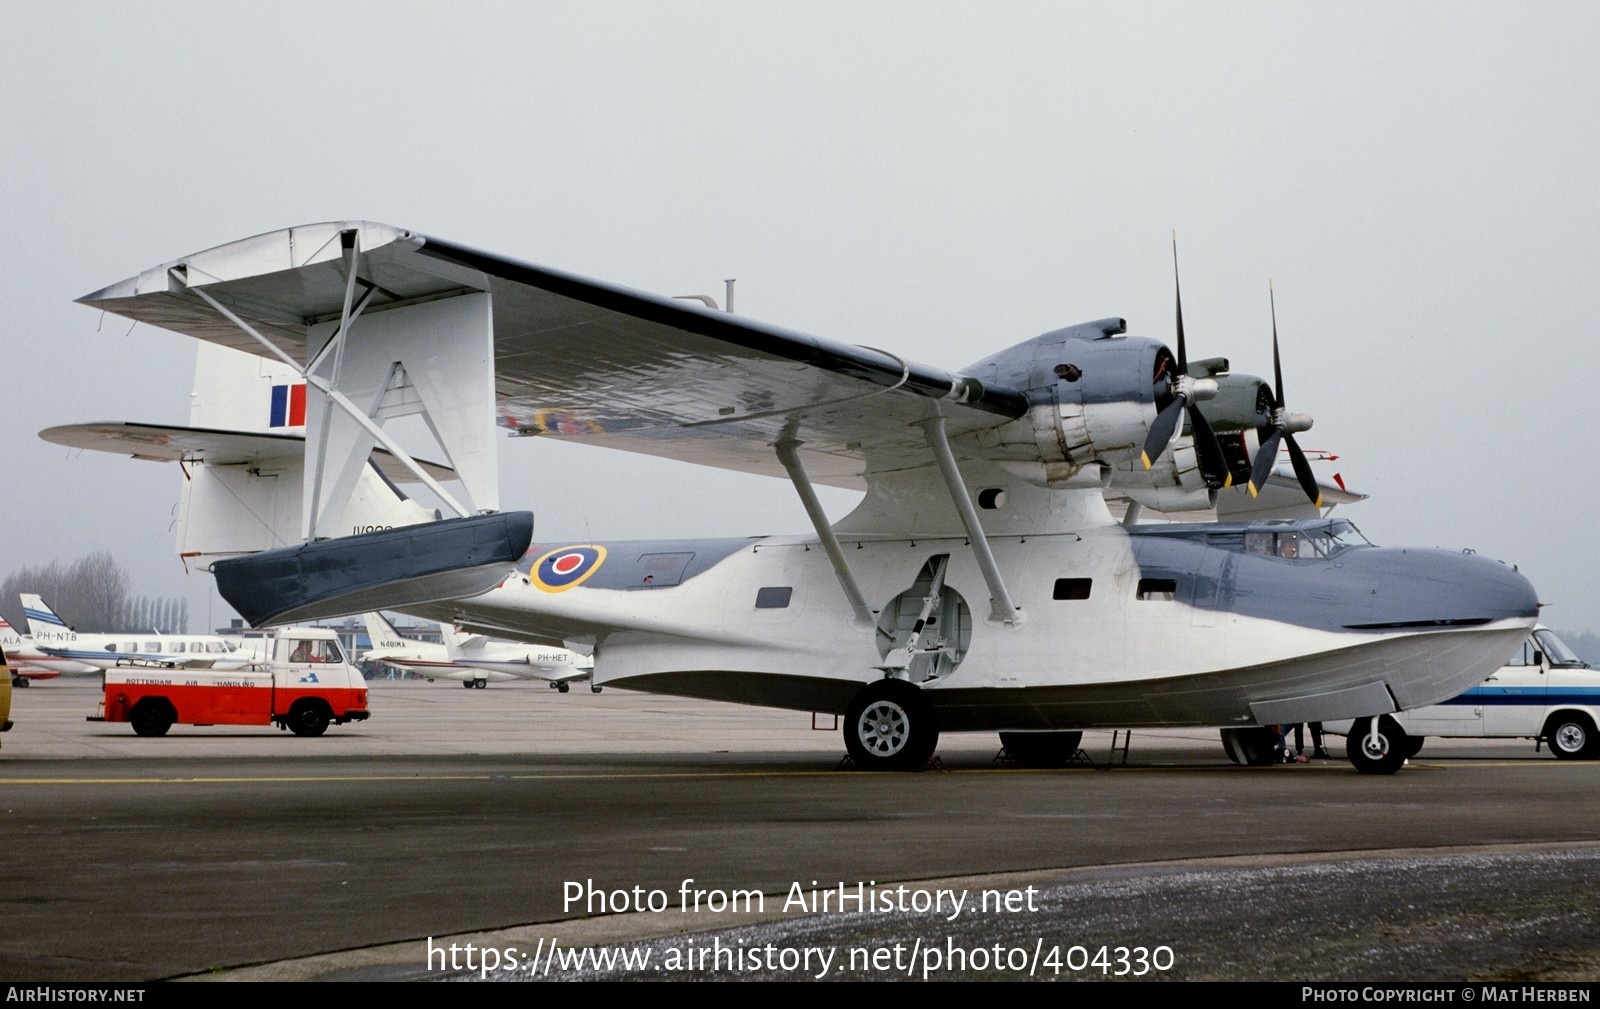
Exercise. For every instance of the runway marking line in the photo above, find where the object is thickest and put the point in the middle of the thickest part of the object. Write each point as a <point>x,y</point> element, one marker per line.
<point>302,779</point>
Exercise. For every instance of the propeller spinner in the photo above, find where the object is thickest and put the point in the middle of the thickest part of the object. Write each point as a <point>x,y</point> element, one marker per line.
<point>1186,392</point>
<point>1282,428</point>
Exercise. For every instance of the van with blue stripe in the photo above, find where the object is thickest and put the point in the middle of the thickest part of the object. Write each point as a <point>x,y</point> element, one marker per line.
<point>1545,693</point>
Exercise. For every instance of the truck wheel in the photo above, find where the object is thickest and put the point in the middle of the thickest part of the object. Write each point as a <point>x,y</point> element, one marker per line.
<point>152,716</point>
<point>1571,736</point>
<point>1386,756</point>
<point>308,718</point>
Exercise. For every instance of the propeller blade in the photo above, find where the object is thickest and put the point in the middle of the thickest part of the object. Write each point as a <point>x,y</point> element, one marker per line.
<point>1166,423</point>
<point>1264,459</point>
<point>1177,297</point>
<point>1213,464</point>
<point>1277,366</point>
<point>1302,470</point>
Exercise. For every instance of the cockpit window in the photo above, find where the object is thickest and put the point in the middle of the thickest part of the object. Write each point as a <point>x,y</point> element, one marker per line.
<point>1304,544</point>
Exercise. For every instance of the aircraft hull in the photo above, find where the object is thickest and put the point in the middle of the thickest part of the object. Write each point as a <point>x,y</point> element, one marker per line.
<point>1116,629</point>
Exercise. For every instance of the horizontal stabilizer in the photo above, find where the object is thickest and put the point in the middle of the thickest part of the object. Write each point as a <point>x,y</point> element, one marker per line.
<point>455,558</point>
<point>166,443</point>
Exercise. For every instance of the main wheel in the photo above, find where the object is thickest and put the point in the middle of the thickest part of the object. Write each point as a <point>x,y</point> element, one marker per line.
<point>469,684</point>
<point>1041,749</point>
<point>1571,736</point>
<point>21,681</point>
<point>308,718</point>
<point>152,716</point>
<point>890,726</point>
<point>1386,755</point>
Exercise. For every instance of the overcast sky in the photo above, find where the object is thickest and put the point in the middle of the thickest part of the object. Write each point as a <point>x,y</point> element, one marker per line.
<point>941,180</point>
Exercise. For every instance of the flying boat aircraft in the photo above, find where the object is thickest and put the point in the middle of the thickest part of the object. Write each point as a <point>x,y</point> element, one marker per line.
<point>982,583</point>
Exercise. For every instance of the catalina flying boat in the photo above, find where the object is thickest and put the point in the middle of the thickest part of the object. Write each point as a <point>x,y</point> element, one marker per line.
<point>982,583</point>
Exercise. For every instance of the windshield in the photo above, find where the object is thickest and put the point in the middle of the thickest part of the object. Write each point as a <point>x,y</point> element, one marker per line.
<point>1557,651</point>
<point>1305,544</point>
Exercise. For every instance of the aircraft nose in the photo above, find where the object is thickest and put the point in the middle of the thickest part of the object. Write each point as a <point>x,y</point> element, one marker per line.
<point>1447,588</point>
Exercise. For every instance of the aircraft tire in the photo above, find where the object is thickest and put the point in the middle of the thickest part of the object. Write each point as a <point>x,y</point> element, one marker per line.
<point>1571,736</point>
<point>152,716</point>
<point>469,684</point>
<point>1387,757</point>
<point>1041,749</point>
<point>562,688</point>
<point>308,718</point>
<point>21,681</point>
<point>890,726</point>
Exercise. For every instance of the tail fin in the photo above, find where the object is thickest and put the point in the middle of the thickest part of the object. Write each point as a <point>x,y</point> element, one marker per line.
<point>243,461</point>
<point>382,632</point>
<point>43,623</point>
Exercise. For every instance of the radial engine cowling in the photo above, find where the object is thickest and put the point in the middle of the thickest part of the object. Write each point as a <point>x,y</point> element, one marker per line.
<point>1092,396</point>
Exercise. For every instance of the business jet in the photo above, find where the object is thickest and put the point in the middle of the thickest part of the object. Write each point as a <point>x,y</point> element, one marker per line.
<point>475,660</point>
<point>982,583</point>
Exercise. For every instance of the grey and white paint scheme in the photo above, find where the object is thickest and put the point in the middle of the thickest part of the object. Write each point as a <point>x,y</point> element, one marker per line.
<point>981,584</point>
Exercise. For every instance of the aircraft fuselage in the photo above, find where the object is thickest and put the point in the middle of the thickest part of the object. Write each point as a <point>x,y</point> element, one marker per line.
<point>1149,626</point>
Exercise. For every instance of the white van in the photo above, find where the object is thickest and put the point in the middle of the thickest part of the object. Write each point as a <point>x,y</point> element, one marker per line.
<point>1545,693</point>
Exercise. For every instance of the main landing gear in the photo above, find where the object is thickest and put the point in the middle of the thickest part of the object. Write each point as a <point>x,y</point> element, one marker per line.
<point>890,726</point>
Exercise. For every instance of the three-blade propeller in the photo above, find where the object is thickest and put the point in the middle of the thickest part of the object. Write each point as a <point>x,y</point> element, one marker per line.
<point>1185,393</point>
<point>1282,428</point>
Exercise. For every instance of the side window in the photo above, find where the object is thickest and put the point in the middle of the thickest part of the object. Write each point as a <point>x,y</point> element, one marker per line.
<point>1072,588</point>
<point>774,597</point>
<point>1162,589</point>
<point>1524,656</point>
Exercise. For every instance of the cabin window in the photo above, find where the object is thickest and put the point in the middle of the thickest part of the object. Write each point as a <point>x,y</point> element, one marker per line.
<point>1072,588</point>
<point>152,646</point>
<point>773,597</point>
<point>1162,589</point>
<point>178,648</point>
<point>112,647</point>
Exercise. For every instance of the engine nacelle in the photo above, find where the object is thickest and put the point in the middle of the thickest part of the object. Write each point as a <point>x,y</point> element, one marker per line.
<point>1093,394</point>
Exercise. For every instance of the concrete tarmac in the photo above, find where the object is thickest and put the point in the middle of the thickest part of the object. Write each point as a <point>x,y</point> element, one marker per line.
<point>473,818</point>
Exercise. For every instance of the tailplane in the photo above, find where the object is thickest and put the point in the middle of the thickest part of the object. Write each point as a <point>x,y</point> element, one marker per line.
<point>243,461</point>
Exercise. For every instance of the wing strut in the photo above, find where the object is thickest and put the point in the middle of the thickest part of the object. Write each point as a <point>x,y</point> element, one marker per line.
<point>1001,608</point>
<point>334,396</point>
<point>789,456</point>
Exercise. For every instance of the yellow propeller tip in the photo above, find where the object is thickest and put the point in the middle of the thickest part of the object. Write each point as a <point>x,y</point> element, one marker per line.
<point>1146,457</point>
<point>1253,491</point>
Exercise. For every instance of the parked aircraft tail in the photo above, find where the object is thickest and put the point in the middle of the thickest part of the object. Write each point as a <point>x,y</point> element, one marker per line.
<point>243,461</point>
<point>43,623</point>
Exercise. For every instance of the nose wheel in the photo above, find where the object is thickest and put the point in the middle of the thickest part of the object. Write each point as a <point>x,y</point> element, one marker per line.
<point>1381,752</point>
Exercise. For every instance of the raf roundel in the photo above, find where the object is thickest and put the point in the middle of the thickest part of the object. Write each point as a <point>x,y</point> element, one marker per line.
<point>565,567</point>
